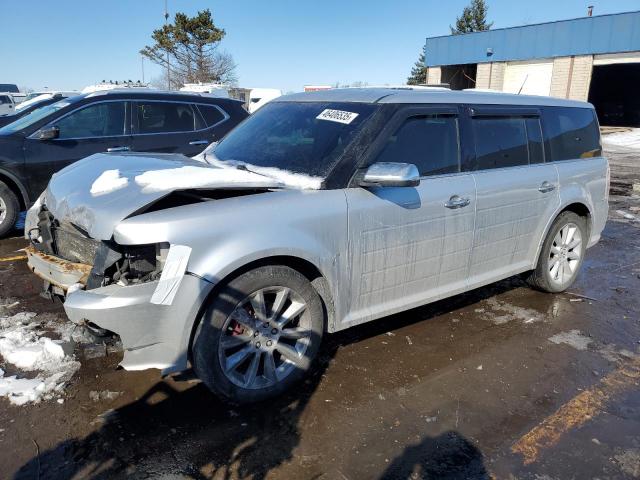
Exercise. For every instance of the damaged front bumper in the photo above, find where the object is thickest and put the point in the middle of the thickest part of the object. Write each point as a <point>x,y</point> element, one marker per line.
<point>59,273</point>
<point>152,335</point>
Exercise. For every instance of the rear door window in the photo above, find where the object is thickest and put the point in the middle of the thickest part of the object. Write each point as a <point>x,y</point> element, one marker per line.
<point>571,133</point>
<point>430,142</point>
<point>105,119</point>
<point>165,117</point>
<point>212,115</point>
<point>500,142</point>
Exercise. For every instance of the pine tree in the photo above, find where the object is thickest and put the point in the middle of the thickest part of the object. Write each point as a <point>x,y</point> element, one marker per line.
<point>418,72</point>
<point>192,47</point>
<point>473,19</point>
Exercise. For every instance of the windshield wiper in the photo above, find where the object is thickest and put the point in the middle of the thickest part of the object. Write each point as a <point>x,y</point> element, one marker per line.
<point>243,167</point>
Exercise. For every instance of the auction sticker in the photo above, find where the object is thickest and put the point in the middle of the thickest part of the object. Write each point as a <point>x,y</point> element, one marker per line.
<point>339,116</point>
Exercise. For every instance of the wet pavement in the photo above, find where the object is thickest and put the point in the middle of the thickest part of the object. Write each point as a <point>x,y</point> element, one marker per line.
<point>501,382</point>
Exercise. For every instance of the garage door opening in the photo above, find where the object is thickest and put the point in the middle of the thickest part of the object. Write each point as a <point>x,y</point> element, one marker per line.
<point>459,77</point>
<point>615,92</point>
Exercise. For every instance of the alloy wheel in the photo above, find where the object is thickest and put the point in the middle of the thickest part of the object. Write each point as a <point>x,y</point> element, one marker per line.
<point>565,254</point>
<point>265,338</point>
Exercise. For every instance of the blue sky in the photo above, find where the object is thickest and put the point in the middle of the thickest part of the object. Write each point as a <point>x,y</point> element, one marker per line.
<point>278,43</point>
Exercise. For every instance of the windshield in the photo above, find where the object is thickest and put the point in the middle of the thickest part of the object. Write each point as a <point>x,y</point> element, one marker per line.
<point>33,117</point>
<point>303,138</point>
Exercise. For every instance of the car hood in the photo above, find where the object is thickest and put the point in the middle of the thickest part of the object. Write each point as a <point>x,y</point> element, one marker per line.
<point>98,192</point>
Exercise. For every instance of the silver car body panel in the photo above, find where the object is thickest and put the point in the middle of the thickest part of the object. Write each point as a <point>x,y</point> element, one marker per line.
<point>427,96</point>
<point>511,216</point>
<point>406,247</point>
<point>107,200</point>
<point>153,336</point>
<point>380,250</point>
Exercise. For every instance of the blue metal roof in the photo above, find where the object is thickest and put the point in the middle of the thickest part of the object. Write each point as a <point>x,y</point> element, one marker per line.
<point>614,33</point>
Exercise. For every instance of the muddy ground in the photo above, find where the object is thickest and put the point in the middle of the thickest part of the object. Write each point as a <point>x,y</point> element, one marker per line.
<point>502,382</point>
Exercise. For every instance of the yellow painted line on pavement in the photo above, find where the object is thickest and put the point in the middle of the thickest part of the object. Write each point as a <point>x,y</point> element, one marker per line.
<point>13,259</point>
<point>577,411</point>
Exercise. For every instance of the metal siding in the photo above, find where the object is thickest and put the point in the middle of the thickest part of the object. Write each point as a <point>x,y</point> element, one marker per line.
<point>588,35</point>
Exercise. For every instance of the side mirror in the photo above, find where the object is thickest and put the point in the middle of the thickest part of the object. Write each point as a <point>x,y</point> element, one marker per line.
<point>383,174</point>
<point>48,133</point>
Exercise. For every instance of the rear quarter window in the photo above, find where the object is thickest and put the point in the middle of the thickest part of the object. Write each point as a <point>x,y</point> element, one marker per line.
<point>571,133</point>
<point>211,115</point>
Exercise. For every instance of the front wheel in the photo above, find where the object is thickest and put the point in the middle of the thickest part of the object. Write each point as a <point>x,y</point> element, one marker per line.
<point>562,254</point>
<point>259,335</point>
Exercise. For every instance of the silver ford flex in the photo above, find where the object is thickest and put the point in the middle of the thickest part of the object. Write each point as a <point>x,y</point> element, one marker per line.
<point>320,212</point>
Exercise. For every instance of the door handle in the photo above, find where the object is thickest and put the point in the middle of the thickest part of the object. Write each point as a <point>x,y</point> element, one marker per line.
<point>199,142</point>
<point>457,201</point>
<point>118,149</point>
<point>546,187</point>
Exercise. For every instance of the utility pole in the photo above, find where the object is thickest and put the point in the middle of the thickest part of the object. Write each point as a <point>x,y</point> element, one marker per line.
<point>142,64</point>
<point>166,20</point>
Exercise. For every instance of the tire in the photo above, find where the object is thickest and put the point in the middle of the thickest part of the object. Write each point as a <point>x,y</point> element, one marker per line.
<point>9,209</point>
<point>546,276</point>
<point>243,358</point>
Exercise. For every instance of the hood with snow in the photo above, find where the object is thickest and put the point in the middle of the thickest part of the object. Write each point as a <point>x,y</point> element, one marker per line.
<point>98,192</point>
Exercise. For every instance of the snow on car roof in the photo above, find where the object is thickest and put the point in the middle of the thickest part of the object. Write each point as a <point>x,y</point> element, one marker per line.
<point>427,95</point>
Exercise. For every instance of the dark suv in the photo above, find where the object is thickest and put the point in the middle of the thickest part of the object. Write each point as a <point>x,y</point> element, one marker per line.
<point>39,144</point>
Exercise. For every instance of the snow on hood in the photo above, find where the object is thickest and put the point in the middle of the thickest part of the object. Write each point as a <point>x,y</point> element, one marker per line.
<point>290,179</point>
<point>198,177</point>
<point>96,193</point>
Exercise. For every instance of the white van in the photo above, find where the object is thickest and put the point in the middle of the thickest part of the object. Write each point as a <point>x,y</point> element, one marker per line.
<point>7,104</point>
<point>254,98</point>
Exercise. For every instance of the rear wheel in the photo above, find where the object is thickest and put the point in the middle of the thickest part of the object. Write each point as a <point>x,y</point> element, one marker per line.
<point>9,209</point>
<point>562,254</point>
<point>260,334</point>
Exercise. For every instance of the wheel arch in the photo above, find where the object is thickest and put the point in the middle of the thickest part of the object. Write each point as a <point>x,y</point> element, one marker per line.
<point>16,187</point>
<point>301,265</point>
<point>579,208</point>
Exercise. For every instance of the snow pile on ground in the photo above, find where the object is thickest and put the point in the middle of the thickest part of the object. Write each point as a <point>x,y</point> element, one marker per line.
<point>23,346</point>
<point>629,140</point>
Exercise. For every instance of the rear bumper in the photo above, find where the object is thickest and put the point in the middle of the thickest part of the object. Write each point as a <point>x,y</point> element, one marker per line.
<point>153,336</point>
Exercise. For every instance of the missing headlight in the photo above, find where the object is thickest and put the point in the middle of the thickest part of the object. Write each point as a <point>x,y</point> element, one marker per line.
<point>126,265</point>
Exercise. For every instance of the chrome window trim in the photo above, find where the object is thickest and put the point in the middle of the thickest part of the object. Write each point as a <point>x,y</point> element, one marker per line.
<point>82,107</point>
<point>125,100</point>
<point>225,114</point>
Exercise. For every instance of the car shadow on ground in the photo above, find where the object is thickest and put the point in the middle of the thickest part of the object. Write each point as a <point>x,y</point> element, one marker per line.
<point>189,432</point>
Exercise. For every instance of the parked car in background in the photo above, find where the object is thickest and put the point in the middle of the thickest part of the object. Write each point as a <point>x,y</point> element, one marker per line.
<point>32,104</point>
<point>254,98</point>
<point>321,211</point>
<point>46,140</point>
<point>7,104</point>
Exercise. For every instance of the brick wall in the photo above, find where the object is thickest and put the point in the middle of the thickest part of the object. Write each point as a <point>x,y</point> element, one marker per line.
<point>571,77</point>
<point>581,78</point>
<point>490,75</point>
<point>433,75</point>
